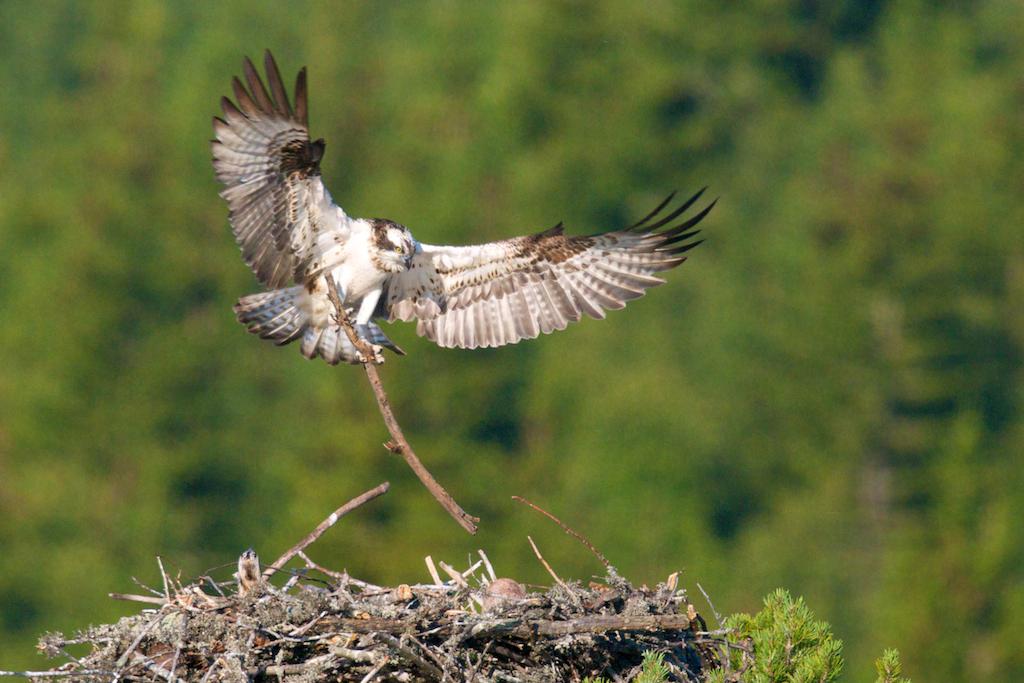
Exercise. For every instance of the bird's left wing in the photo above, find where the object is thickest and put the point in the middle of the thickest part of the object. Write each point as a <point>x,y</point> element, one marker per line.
<point>499,293</point>
<point>283,218</point>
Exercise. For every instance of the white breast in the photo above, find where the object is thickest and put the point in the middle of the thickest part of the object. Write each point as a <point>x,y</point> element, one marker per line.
<point>354,272</point>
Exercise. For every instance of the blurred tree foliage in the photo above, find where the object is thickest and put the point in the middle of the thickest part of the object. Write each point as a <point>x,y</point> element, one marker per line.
<point>827,397</point>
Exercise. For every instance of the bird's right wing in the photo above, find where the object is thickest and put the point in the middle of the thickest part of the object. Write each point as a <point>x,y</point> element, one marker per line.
<point>498,293</point>
<point>283,218</point>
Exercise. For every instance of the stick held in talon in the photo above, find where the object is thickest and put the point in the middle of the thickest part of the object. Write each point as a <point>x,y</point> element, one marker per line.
<point>465,520</point>
<point>313,256</point>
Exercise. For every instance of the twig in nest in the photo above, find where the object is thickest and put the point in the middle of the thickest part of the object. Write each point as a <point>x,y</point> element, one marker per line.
<point>167,591</point>
<point>155,668</point>
<point>487,564</point>
<point>718,617</point>
<point>411,655</point>
<point>212,584</point>
<point>472,568</point>
<point>56,674</point>
<point>137,598</point>
<point>210,670</point>
<point>433,571</point>
<point>567,529</point>
<point>174,662</point>
<point>375,670</point>
<point>323,570</point>
<point>325,525</point>
<point>548,566</point>
<point>400,445</point>
<point>456,576</point>
<point>145,587</point>
<point>123,659</point>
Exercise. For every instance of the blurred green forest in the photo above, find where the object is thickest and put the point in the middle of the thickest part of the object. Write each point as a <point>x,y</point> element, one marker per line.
<point>826,397</point>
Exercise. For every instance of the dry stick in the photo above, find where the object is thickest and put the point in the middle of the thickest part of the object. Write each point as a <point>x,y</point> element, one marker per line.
<point>281,670</point>
<point>472,568</point>
<point>323,570</point>
<point>375,670</point>
<point>137,598</point>
<point>433,571</point>
<point>343,577</point>
<point>414,657</point>
<point>167,591</point>
<point>174,663</point>
<point>718,617</point>
<point>547,566</point>
<point>145,587</point>
<point>567,529</point>
<point>408,637</point>
<point>56,674</point>
<point>487,564</point>
<point>155,668</point>
<point>123,659</point>
<point>210,670</point>
<point>518,628</point>
<point>399,444</point>
<point>456,576</point>
<point>325,525</point>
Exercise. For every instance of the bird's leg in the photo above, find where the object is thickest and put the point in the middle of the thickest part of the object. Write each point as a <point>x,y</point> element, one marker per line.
<point>366,308</point>
<point>341,316</point>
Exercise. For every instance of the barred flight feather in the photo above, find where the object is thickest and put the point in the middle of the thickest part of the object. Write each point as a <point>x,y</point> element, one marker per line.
<point>271,171</point>
<point>499,293</point>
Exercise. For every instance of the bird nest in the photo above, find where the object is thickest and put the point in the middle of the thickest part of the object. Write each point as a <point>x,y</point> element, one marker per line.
<point>324,625</point>
<point>472,626</point>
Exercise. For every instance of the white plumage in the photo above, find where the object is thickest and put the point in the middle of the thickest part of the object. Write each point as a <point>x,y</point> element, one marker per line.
<point>291,231</point>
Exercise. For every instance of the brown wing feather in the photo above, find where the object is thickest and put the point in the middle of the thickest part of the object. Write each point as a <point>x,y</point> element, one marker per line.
<point>271,171</point>
<point>499,293</point>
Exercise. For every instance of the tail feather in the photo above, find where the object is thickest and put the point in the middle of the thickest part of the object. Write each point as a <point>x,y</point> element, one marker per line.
<point>273,315</point>
<point>310,341</point>
<point>281,317</point>
<point>334,346</point>
<point>377,336</point>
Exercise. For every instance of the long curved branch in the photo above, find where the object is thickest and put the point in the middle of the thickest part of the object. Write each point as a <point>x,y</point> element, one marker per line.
<point>398,443</point>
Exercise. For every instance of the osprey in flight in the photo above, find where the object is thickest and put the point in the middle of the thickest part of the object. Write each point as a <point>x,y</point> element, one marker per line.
<point>294,236</point>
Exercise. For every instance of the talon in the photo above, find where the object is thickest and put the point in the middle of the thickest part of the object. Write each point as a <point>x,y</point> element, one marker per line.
<point>377,358</point>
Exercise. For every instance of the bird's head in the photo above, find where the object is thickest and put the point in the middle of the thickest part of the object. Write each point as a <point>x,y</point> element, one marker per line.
<point>393,244</point>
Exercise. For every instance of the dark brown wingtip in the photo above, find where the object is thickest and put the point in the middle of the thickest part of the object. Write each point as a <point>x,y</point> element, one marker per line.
<point>683,248</point>
<point>259,92</point>
<point>553,231</point>
<point>229,108</point>
<point>653,213</point>
<point>301,106</point>
<point>281,104</point>
<point>245,101</point>
<point>670,239</point>
<point>674,238</point>
<point>675,214</point>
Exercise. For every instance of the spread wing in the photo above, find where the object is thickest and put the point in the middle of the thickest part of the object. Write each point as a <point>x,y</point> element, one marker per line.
<point>495,294</point>
<point>282,216</point>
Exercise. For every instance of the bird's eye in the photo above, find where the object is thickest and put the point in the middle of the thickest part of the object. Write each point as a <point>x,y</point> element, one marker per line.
<point>398,250</point>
